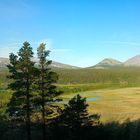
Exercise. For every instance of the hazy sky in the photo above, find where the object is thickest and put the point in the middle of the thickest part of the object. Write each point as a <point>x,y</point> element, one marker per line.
<point>78,32</point>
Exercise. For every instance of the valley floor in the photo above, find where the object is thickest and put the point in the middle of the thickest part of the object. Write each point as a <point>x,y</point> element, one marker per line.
<point>113,104</point>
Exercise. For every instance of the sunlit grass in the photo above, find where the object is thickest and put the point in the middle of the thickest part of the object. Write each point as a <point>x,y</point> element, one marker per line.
<point>113,104</point>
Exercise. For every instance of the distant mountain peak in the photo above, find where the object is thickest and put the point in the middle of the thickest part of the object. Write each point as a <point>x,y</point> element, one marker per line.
<point>109,61</point>
<point>134,61</point>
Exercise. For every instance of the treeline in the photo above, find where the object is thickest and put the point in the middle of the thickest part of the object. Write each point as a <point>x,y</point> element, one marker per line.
<point>123,76</point>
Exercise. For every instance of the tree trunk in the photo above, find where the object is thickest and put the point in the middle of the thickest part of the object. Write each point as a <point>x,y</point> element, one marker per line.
<point>43,105</point>
<point>43,121</point>
<point>28,113</point>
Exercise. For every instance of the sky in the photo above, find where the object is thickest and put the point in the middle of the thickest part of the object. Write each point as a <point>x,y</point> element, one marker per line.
<point>77,32</point>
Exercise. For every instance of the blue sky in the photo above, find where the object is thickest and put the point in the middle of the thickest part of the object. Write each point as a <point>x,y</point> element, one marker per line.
<point>78,32</point>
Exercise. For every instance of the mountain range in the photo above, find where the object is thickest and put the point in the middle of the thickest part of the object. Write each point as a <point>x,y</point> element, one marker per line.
<point>105,63</point>
<point>110,62</point>
<point>5,61</point>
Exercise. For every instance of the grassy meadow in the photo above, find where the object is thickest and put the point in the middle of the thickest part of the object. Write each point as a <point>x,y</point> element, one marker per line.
<point>113,104</point>
<point>114,93</point>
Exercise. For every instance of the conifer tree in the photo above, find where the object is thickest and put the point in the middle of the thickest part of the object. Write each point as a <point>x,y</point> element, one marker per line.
<point>45,85</point>
<point>74,117</point>
<point>21,70</point>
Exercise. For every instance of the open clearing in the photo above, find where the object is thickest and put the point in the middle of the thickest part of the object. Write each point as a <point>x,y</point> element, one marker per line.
<point>112,104</point>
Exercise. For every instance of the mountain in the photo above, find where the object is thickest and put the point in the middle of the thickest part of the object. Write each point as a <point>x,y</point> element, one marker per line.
<point>108,62</point>
<point>134,61</point>
<point>5,61</point>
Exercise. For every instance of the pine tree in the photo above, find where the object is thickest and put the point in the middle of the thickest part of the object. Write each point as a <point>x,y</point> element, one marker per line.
<point>21,70</point>
<point>45,85</point>
<point>74,117</point>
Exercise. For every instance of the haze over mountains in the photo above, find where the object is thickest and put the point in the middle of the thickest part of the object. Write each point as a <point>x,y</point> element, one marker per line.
<point>105,63</point>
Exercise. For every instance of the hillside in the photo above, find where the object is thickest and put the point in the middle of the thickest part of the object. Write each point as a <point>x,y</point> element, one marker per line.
<point>117,75</point>
<point>75,80</point>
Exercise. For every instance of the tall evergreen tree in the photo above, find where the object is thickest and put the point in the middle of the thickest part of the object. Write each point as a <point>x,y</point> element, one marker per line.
<point>21,70</point>
<point>45,84</point>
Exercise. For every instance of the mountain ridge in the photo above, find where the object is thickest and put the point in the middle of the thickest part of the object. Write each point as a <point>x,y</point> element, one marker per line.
<point>110,62</point>
<point>134,61</point>
<point>5,61</point>
<point>105,63</point>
